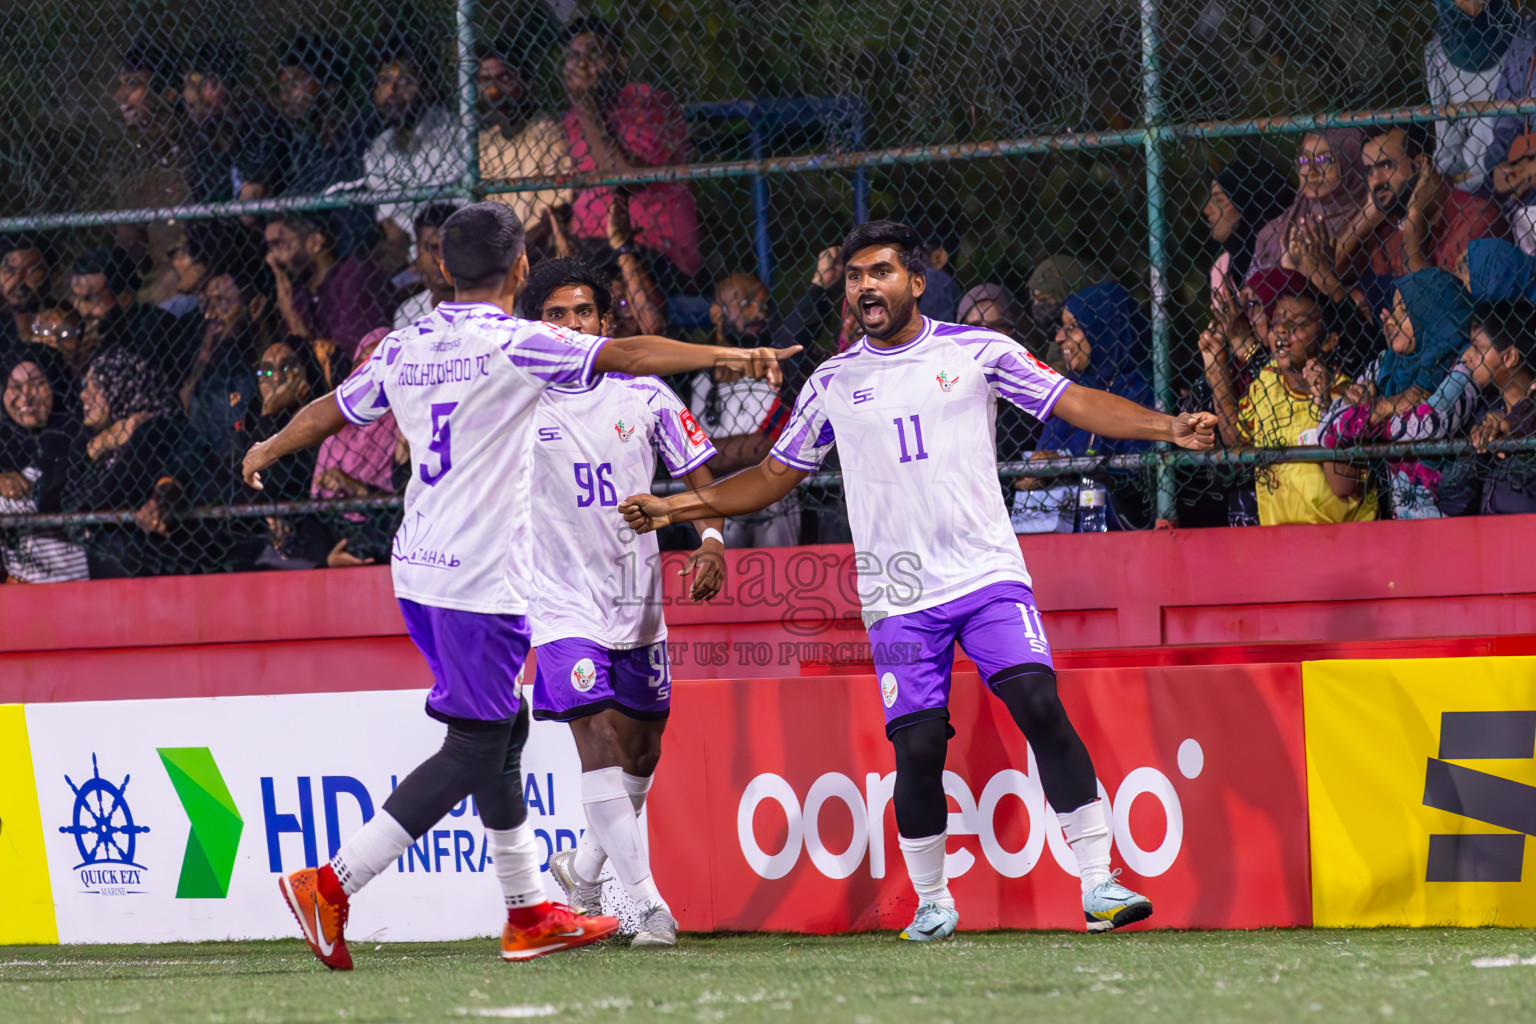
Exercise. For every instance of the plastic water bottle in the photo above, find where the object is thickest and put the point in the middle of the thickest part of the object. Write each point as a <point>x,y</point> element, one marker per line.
<point>1092,506</point>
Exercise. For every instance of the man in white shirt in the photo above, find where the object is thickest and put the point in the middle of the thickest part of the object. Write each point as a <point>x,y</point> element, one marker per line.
<point>464,385</point>
<point>914,402</point>
<point>422,145</point>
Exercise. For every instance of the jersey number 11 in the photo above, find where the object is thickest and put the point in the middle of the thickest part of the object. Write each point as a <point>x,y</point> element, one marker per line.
<point>901,437</point>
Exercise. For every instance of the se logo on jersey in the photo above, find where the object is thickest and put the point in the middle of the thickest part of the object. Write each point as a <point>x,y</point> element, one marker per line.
<point>946,382</point>
<point>691,427</point>
<point>623,432</point>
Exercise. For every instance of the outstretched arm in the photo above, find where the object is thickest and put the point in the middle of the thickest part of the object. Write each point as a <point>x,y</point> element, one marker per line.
<point>1107,415</point>
<point>647,355</point>
<point>312,424</point>
<point>751,489</point>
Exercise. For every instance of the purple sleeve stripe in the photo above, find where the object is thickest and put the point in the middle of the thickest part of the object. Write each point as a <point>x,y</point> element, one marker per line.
<point>795,437</point>
<point>792,462</point>
<point>346,411</point>
<point>1033,388</point>
<point>1054,397</point>
<point>590,361</point>
<point>692,464</point>
<point>671,432</point>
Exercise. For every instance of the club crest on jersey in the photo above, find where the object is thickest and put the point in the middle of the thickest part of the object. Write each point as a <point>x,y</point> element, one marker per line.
<point>946,382</point>
<point>583,675</point>
<point>888,688</point>
<point>623,431</point>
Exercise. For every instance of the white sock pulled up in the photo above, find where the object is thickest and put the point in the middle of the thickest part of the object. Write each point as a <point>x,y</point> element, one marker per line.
<point>925,866</point>
<point>1087,833</point>
<point>611,815</point>
<point>515,858</point>
<point>371,849</point>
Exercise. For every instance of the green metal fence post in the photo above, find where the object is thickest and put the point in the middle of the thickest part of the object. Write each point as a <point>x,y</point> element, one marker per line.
<point>468,97</point>
<point>1157,231</point>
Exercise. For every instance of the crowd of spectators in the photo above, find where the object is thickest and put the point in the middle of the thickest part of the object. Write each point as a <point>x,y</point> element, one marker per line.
<point>1379,290</point>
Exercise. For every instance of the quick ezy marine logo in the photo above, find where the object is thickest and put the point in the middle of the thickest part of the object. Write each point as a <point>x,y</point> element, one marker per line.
<point>106,836</point>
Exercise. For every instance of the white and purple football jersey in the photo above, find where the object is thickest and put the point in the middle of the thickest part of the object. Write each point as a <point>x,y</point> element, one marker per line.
<point>464,383</point>
<point>915,433</point>
<point>594,578</point>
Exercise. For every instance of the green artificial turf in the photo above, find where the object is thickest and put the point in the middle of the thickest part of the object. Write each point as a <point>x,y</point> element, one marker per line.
<point>1190,977</point>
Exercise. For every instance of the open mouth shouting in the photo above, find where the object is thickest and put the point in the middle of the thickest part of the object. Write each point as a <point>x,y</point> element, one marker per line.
<point>873,313</point>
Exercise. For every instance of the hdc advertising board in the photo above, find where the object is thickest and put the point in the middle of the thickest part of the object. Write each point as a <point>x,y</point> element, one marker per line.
<point>172,819</point>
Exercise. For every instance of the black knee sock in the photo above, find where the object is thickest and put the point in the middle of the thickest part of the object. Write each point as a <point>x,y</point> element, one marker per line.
<point>921,809</point>
<point>501,800</point>
<point>473,755</point>
<point>1066,770</point>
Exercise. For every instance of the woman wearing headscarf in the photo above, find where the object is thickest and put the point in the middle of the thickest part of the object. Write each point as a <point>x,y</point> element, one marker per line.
<point>1481,50</point>
<point>287,377</point>
<point>1499,271</point>
<point>1053,279</point>
<point>1415,390</point>
<point>36,431</point>
<point>1104,341</point>
<point>1247,194</point>
<point>132,456</point>
<point>1330,190</point>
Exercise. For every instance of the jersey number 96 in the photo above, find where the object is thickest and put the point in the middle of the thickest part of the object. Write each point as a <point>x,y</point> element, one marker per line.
<point>594,481</point>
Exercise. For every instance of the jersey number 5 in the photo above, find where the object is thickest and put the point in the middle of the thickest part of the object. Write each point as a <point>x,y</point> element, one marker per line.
<point>442,443</point>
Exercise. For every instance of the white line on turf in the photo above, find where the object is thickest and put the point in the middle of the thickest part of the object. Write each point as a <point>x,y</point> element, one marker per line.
<point>1512,960</point>
<point>506,1012</point>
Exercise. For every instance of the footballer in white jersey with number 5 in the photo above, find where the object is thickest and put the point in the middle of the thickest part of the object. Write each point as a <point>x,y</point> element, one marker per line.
<point>913,404</point>
<point>464,383</point>
<point>598,629</point>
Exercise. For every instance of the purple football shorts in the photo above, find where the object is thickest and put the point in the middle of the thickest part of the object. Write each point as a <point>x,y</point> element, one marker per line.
<point>573,678</point>
<point>997,626</point>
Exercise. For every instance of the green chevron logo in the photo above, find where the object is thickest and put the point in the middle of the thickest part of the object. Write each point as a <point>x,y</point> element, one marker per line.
<point>216,825</point>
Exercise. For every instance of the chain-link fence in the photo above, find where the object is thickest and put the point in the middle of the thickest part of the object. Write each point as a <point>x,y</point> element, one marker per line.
<point>1313,219</point>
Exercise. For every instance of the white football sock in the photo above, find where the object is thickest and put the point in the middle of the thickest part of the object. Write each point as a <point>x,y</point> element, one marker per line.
<point>1087,833</point>
<point>611,815</point>
<point>637,786</point>
<point>371,849</point>
<point>515,856</point>
<point>590,856</point>
<point>925,866</point>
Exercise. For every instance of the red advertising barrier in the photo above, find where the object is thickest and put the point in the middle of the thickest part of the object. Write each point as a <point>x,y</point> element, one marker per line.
<point>787,608</point>
<point>772,809</point>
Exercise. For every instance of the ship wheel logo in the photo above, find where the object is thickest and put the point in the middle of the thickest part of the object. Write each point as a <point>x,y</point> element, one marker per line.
<point>103,825</point>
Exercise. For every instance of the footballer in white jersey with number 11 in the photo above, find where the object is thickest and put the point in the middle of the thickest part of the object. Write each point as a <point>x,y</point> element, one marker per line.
<point>598,630</point>
<point>464,383</point>
<point>914,402</point>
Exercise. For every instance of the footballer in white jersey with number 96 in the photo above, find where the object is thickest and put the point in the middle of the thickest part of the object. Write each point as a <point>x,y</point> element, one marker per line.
<point>597,617</point>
